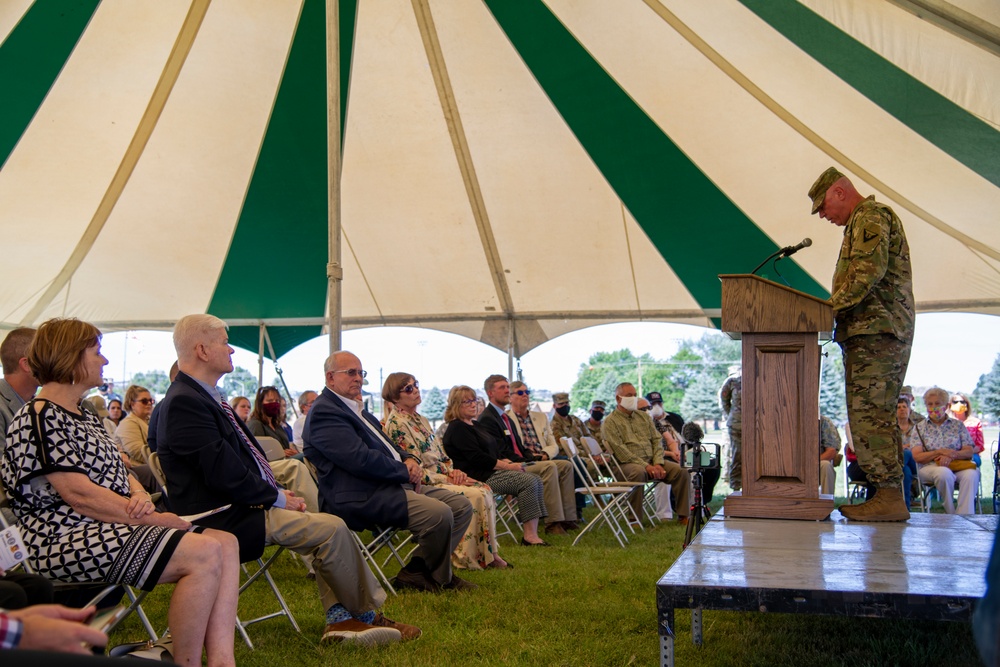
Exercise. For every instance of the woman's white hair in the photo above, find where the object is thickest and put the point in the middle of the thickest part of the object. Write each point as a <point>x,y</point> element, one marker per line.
<point>193,329</point>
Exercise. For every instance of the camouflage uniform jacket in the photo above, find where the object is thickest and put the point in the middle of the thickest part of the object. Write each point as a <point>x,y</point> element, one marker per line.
<point>873,284</point>
<point>731,399</point>
<point>829,437</point>
<point>568,427</point>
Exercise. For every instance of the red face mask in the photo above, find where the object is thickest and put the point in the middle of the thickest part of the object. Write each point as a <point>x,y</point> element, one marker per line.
<point>271,409</point>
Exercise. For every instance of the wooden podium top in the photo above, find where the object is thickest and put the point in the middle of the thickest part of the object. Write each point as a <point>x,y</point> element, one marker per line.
<point>757,305</point>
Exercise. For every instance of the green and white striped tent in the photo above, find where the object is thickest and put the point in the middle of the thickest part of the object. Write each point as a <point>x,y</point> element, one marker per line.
<point>511,169</point>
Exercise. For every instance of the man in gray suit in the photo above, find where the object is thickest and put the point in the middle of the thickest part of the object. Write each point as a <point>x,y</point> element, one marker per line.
<point>18,384</point>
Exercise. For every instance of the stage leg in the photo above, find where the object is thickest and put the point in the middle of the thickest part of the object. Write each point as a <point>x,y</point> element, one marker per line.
<point>696,626</point>
<point>667,638</point>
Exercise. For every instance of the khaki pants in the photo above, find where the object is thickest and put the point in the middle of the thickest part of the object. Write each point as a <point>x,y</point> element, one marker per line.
<point>294,475</point>
<point>557,482</point>
<point>677,477</point>
<point>341,572</point>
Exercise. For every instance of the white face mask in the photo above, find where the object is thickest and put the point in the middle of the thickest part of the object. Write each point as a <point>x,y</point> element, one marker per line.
<point>630,403</point>
<point>657,411</point>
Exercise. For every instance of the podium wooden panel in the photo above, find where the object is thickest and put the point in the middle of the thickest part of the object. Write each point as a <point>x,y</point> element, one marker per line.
<point>780,330</point>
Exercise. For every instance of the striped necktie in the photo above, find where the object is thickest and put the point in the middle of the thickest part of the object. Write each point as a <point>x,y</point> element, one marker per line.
<point>265,467</point>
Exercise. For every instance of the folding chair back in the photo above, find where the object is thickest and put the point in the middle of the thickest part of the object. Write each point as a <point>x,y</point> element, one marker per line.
<point>273,450</point>
<point>154,466</point>
<point>611,502</point>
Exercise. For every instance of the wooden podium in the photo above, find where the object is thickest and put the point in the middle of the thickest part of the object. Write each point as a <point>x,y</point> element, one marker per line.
<point>780,329</point>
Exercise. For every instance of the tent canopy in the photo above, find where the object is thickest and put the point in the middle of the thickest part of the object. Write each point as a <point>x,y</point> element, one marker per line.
<point>511,170</point>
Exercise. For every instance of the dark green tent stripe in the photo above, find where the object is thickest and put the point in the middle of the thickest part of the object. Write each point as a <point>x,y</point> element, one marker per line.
<point>678,207</point>
<point>31,58</point>
<point>282,338</point>
<point>937,119</point>
<point>276,265</point>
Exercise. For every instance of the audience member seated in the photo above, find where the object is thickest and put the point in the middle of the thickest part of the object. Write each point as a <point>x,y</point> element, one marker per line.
<point>412,433</point>
<point>942,448</point>
<point>115,416</point>
<point>211,459</point>
<point>905,425</point>
<point>50,635</point>
<point>20,589</point>
<point>85,519</point>
<point>306,400</point>
<point>961,410</point>
<point>241,406</point>
<point>556,476</point>
<point>829,455</point>
<point>474,452</point>
<point>18,384</point>
<point>631,436</point>
<point>132,433</point>
<point>566,425</point>
<point>597,410</point>
<point>266,418</point>
<point>368,481</point>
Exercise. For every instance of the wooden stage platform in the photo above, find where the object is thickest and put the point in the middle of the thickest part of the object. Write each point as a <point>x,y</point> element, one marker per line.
<point>931,567</point>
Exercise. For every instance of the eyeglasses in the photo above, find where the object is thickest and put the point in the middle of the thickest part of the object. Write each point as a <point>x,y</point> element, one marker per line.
<point>647,408</point>
<point>410,388</point>
<point>354,372</point>
<point>523,392</point>
<point>146,401</point>
<point>470,401</point>
<point>959,403</point>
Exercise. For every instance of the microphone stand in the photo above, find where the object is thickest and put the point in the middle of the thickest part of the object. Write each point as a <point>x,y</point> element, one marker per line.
<point>768,259</point>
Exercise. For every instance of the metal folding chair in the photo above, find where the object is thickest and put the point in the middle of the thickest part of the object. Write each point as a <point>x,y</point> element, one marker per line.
<point>614,475</point>
<point>263,570</point>
<point>609,501</point>
<point>383,538</point>
<point>506,513</point>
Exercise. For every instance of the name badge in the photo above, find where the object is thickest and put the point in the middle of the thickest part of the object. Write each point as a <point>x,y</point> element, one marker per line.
<point>506,432</point>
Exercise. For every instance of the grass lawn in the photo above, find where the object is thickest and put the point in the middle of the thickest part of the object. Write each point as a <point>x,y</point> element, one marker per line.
<point>593,604</point>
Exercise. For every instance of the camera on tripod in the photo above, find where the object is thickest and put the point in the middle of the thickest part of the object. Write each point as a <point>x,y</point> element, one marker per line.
<point>695,454</point>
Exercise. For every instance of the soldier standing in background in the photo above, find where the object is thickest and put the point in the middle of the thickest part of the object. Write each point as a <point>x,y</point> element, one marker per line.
<point>730,399</point>
<point>872,299</point>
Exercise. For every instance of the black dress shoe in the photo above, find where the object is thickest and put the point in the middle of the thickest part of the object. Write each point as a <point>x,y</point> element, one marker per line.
<point>419,581</point>
<point>526,543</point>
<point>458,584</point>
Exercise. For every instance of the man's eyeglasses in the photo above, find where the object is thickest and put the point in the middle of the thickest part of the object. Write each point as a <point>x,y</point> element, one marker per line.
<point>146,401</point>
<point>410,388</point>
<point>523,392</point>
<point>354,372</point>
<point>647,408</point>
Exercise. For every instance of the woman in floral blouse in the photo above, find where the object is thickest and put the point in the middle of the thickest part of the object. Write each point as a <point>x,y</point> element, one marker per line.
<point>943,449</point>
<point>413,433</point>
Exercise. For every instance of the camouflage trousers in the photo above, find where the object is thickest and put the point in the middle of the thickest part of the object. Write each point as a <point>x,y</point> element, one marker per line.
<point>735,459</point>
<point>874,367</point>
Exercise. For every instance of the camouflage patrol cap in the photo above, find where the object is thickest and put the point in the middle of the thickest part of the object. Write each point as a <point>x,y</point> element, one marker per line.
<point>818,190</point>
<point>598,404</point>
<point>560,397</point>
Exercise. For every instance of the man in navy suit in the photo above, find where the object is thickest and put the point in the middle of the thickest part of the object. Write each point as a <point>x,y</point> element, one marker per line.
<point>368,481</point>
<point>211,459</point>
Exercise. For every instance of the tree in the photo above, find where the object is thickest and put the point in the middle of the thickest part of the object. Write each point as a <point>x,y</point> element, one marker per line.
<point>987,393</point>
<point>156,382</point>
<point>701,400</point>
<point>240,382</point>
<point>832,394</point>
<point>433,405</point>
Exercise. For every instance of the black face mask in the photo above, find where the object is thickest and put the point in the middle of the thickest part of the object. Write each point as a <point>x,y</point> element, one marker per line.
<point>563,411</point>
<point>597,415</point>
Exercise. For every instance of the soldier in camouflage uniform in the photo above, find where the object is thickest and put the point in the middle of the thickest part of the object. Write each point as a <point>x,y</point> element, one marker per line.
<point>872,299</point>
<point>565,425</point>
<point>730,399</point>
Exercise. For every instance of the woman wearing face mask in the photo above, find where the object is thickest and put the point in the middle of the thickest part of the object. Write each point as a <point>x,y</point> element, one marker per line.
<point>265,420</point>
<point>942,448</point>
<point>961,409</point>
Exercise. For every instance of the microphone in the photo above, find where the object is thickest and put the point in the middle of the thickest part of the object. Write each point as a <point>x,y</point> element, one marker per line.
<point>792,249</point>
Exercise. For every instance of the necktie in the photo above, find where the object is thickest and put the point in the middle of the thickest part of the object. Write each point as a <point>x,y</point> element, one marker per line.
<point>265,468</point>
<point>510,430</point>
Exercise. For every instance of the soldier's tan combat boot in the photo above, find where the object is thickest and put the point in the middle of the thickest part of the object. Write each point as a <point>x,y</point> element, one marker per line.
<point>887,505</point>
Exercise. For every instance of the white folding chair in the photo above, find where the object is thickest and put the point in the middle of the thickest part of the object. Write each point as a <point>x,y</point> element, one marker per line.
<point>506,512</point>
<point>383,538</point>
<point>263,570</point>
<point>610,501</point>
<point>614,475</point>
<point>273,451</point>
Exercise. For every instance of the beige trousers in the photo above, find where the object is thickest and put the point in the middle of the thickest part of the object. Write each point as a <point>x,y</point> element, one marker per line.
<point>558,489</point>
<point>295,476</point>
<point>342,575</point>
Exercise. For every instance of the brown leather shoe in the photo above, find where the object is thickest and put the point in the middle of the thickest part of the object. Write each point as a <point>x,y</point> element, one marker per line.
<point>418,581</point>
<point>682,520</point>
<point>459,584</point>
<point>555,529</point>
<point>408,632</point>
<point>887,505</point>
<point>571,525</point>
<point>353,631</point>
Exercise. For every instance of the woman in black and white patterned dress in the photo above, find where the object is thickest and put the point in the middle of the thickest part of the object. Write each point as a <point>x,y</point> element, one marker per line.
<point>85,518</point>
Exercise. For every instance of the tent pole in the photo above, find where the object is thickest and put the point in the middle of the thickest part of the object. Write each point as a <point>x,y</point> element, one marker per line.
<point>260,357</point>
<point>334,269</point>
<point>510,348</point>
